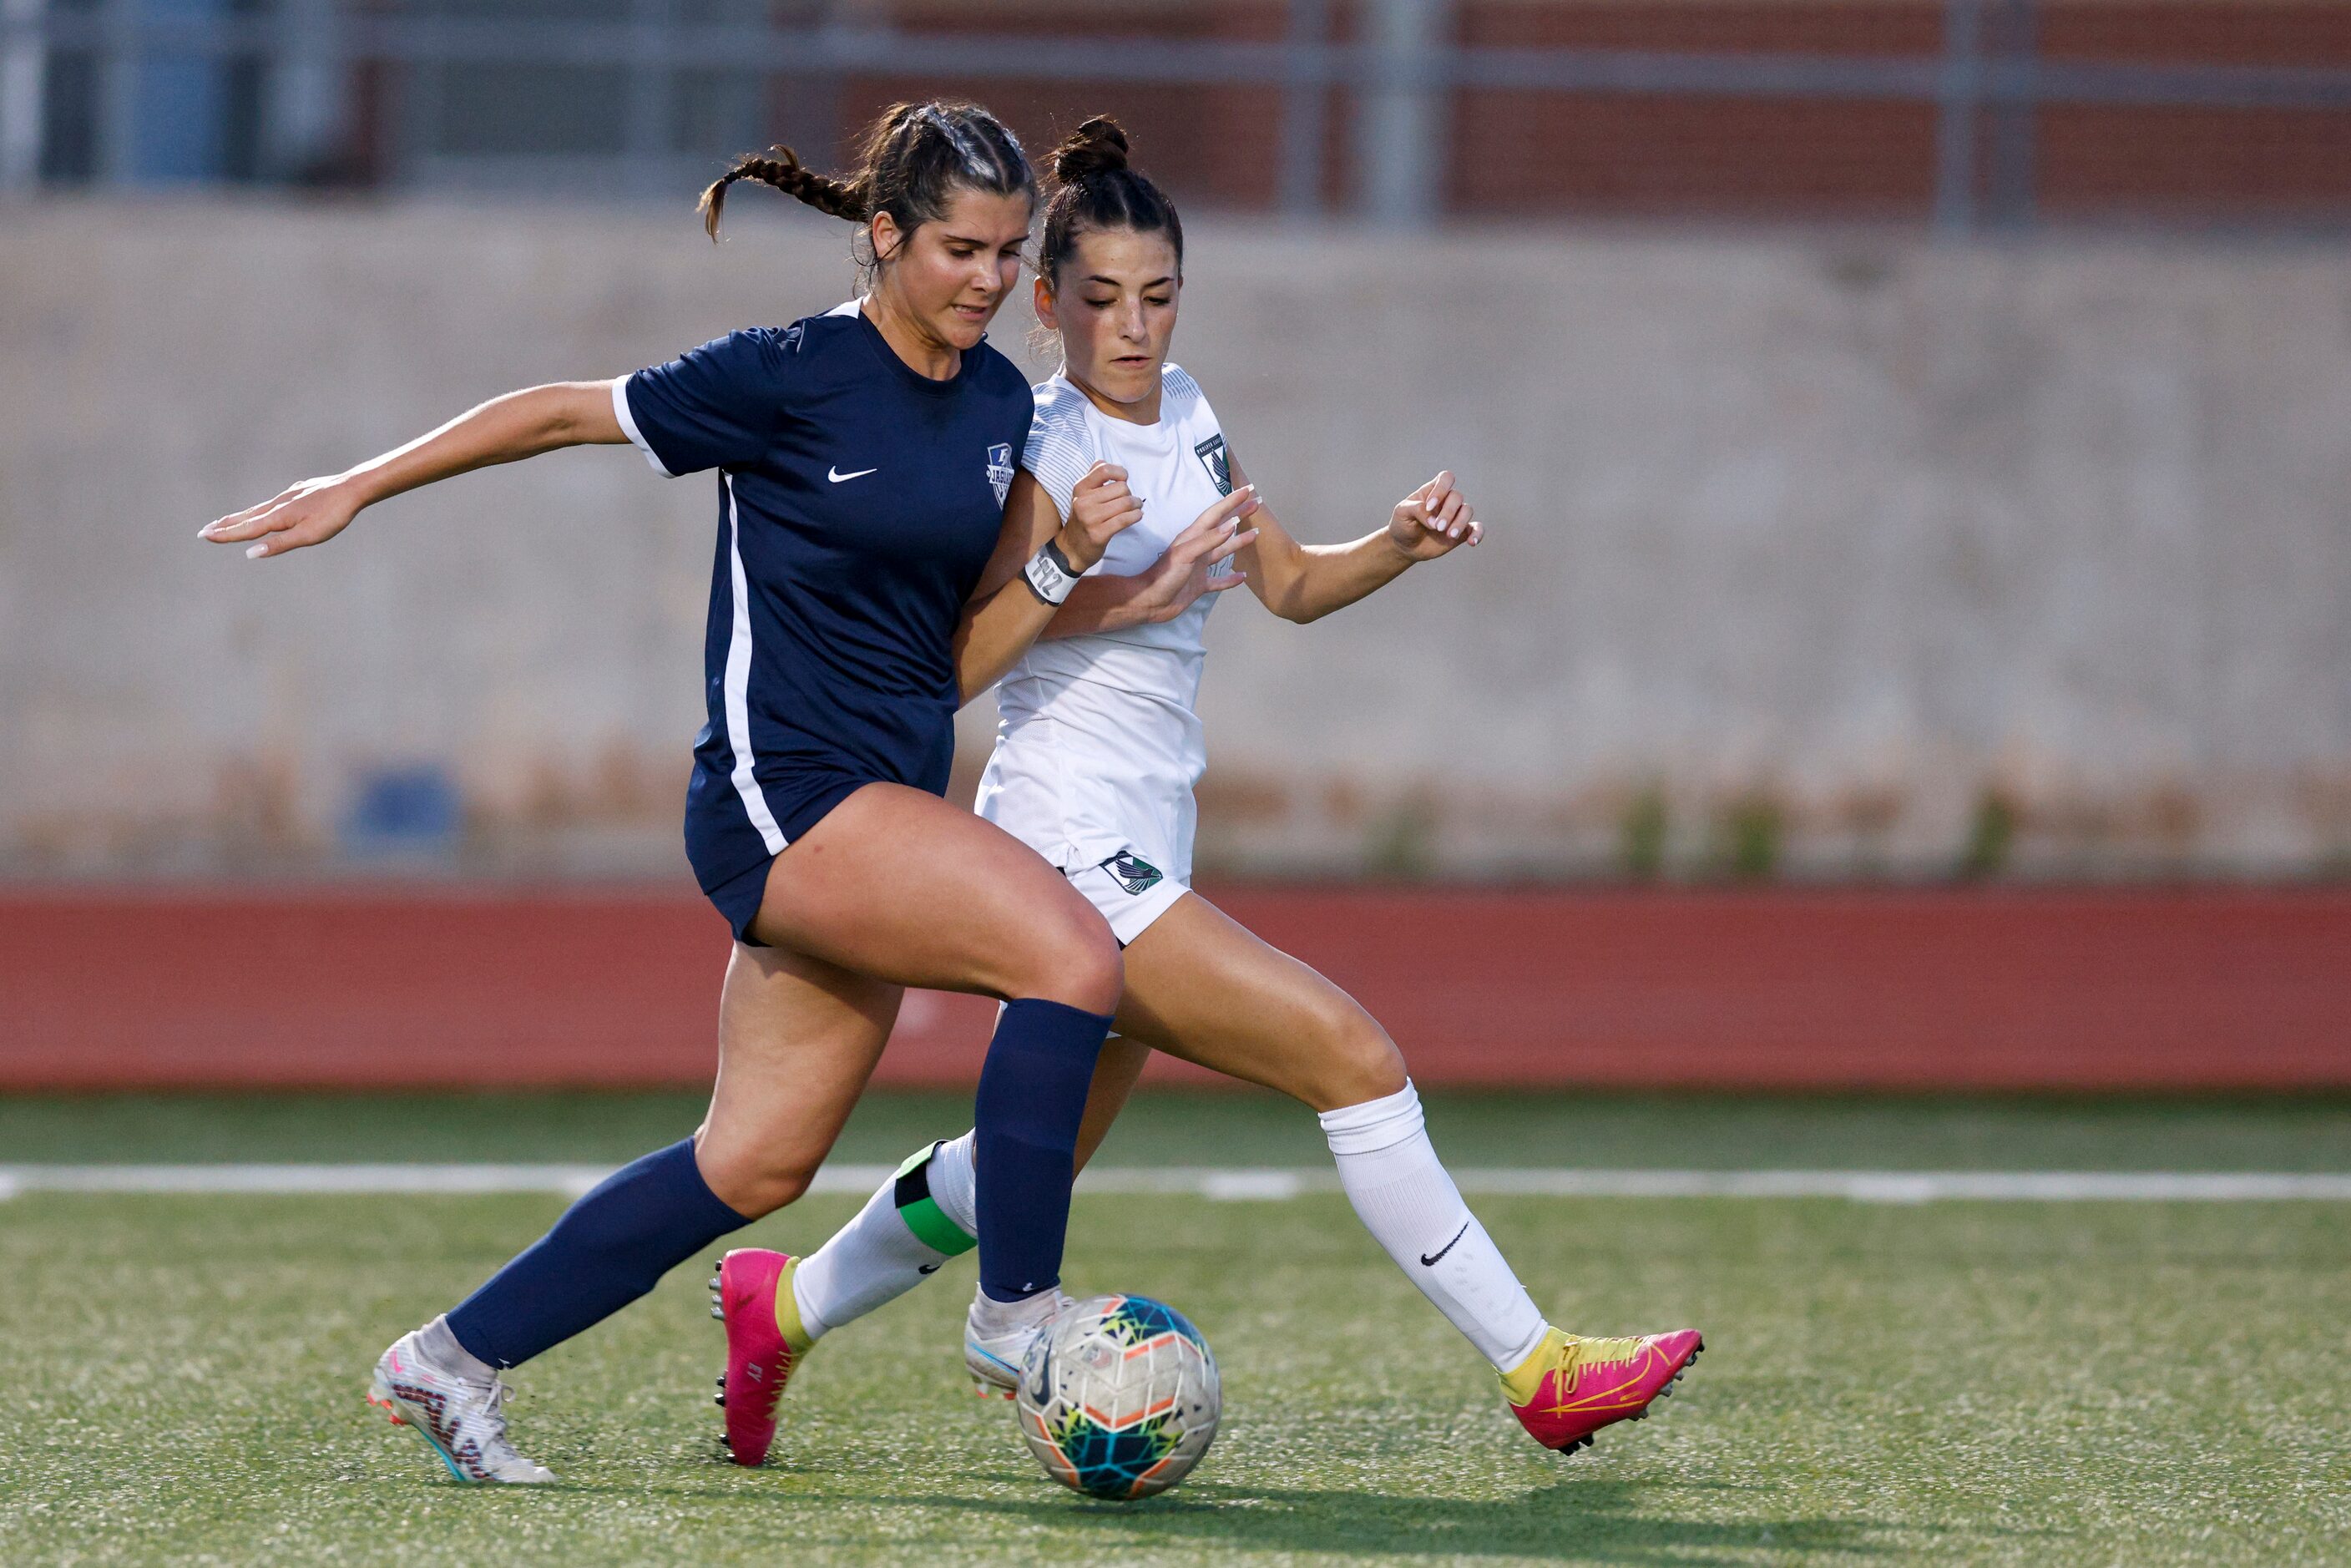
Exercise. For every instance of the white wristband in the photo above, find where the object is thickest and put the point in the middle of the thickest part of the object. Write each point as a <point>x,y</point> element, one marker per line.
<point>1049,574</point>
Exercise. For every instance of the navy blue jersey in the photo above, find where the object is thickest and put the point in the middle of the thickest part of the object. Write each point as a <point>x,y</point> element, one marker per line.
<point>858,502</point>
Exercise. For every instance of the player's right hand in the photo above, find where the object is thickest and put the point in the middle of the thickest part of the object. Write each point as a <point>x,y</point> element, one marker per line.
<point>309,513</point>
<point>1100,508</point>
<point>1188,570</point>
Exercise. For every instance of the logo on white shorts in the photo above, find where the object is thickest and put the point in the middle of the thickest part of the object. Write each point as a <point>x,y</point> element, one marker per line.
<point>1132,871</point>
<point>999,470</point>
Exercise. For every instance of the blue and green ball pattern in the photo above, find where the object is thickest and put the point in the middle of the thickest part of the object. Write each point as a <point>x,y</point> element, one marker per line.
<point>1139,1318</point>
<point>1130,1460</point>
<point>1104,1463</point>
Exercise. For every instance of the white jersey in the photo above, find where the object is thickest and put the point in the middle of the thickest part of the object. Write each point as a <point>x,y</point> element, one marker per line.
<point>1099,746</point>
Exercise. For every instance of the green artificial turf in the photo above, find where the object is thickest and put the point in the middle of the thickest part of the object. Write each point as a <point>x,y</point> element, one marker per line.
<point>1234,1127</point>
<point>2093,1383</point>
<point>2012,1382</point>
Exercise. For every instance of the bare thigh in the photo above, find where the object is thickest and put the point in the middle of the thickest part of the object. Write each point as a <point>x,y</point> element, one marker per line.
<point>1205,988</point>
<point>899,885</point>
<point>798,1038</point>
<point>893,888</point>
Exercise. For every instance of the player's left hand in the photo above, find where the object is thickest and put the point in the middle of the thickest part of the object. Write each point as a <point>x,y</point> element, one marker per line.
<point>1433,520</point>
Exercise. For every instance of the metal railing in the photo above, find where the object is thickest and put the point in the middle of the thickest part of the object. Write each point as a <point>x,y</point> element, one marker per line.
<point>1400,73</point>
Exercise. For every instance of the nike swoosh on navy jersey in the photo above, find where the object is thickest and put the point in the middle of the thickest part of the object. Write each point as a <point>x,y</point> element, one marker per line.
<point>836,475</point>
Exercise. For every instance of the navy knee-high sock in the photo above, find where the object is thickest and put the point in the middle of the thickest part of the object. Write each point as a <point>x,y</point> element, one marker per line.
<point>1032,1096</point>
<point>607,1250</point>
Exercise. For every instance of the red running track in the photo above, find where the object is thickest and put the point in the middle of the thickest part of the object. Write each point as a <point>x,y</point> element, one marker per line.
<point>2046,989</point>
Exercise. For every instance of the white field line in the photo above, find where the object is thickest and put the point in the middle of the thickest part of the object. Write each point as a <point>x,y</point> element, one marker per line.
<point>1236,1183</point>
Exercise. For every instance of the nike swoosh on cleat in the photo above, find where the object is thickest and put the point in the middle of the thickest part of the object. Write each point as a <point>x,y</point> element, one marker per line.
<point>836,475</point>
<point>928,1268</point>
<point>1428,1260</point>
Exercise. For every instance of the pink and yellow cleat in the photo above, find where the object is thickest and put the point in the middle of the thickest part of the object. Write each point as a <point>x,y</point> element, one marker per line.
<point>752,1295</point>
<point>1572,1386</point>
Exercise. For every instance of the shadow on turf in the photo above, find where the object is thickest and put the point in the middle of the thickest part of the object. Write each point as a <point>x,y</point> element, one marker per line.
<point>1583,1520</point>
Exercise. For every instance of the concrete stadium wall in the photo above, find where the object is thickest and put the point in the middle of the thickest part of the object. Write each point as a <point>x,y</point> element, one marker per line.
<point>1831,555</point>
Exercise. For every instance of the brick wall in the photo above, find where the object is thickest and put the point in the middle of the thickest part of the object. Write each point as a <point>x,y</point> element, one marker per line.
<point>1548,154</point>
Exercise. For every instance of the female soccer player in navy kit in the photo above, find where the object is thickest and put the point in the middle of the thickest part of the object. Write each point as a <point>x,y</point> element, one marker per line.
<point>1094,764</point>
<point>864,459</point>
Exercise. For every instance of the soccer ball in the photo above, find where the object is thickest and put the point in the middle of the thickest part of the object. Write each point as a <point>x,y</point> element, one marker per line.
<point>1119,1397</point>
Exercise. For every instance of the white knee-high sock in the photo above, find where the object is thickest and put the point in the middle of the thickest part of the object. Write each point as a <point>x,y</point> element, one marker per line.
<point>1402,1194</point>
<point>914,1222</point>
<point>952,1186</point>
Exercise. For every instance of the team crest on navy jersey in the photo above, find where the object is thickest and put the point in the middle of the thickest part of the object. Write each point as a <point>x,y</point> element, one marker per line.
<point>999,470</point>
<point>1132,871</point>
<point>1219,463</point>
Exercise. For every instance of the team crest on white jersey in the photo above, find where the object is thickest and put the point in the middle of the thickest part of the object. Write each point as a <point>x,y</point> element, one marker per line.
<point>1220,462</point>
<point>999,471</point>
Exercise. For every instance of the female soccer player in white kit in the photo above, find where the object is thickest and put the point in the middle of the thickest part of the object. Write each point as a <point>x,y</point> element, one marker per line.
<point>1095,760</point>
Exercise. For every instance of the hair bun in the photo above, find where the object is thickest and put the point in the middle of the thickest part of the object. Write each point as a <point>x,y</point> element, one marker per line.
<point>1097,147</point>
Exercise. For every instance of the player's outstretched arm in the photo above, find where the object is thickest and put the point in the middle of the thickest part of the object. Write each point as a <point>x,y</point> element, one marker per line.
<point>1304,583</point>
<point>503,430</point>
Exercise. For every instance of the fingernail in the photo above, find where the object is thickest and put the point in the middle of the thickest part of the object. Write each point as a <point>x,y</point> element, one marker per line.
<point>255,552</point>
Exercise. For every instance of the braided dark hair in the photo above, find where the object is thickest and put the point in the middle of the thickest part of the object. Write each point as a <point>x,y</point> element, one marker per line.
<point>1094,187</point>
<point>914,160</point>
<point>781,167</point>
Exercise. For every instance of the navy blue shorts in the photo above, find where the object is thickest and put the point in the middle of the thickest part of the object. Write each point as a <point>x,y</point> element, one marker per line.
<point>737,899</point>
<point>729,852</point>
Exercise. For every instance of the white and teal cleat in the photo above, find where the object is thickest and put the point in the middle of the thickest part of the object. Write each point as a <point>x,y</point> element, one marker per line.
<point>459,1410</point>
<point>996,1336</point>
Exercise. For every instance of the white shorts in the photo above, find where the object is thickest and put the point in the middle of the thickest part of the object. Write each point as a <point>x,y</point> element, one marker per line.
<point>1118,825</point>
<point>1130,891</point>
